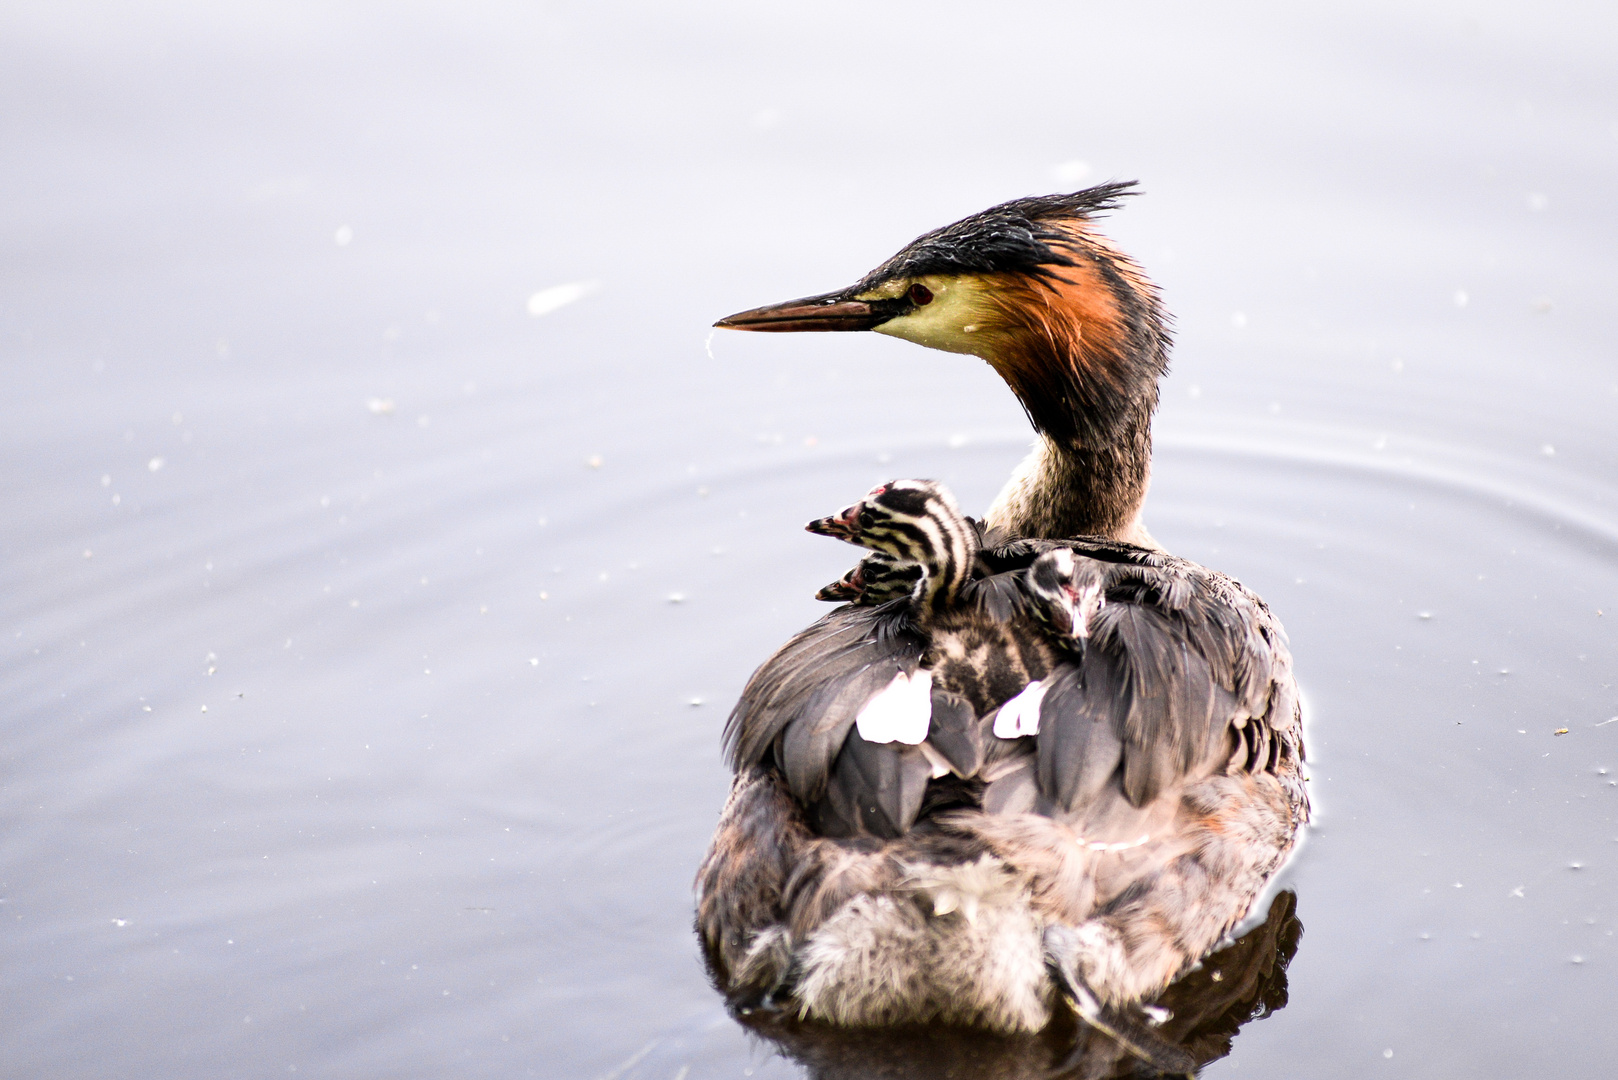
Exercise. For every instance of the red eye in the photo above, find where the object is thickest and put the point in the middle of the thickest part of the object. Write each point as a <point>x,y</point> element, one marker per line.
<point>920,294</point>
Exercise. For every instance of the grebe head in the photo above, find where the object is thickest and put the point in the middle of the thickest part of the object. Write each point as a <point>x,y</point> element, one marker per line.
<point>875,579</point>
<point>911,521</point>
<point>903,519</point>
<point>1068,321</point>
<point>1067,593</point>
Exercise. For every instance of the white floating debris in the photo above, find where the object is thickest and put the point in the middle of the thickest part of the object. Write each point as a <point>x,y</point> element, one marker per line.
<point>1424,614</point>
<point>155,464</point>
<point>1019,716</point>
<point>1578,959</point>
<point>593,461</point>
<point>1387,1053</point>
<point>676,598</point>
<point>1238,319</point>
<point>901,712</point>
<point>120,922</point>
<point>694,702</point>
<point>1517,892</point>
<point>88,553</point>
<point>548,300</point>
<point>1538,201</point>
<point>1461,298</point>
<point>106,480</point>
<point>343,236</point>
<point>533,661</point>
<point>380,406</point>
<point>1548,450</point>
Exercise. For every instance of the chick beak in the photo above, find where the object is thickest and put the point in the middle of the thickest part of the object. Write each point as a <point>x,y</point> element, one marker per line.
<point>831,311</point>
<point>849,587</point>
<point>843,526</point>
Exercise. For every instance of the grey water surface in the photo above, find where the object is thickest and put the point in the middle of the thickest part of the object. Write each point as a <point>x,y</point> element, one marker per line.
<point>385,537</point>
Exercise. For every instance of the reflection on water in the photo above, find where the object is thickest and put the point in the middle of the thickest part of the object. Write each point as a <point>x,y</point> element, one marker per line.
<point>1244,982</point>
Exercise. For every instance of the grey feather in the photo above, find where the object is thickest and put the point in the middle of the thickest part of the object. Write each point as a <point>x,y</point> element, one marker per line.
<point>1079,744</point>
<point>874,788</point>
<point>955,732</point>
<point>1015,792</point>
<point>803,700</point>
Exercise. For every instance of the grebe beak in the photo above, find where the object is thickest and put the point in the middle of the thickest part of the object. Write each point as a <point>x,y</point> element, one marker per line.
<point>843,526</point>
<point>831,311</point>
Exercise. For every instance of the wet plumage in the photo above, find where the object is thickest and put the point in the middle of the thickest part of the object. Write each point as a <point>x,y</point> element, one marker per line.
<point>1145,781</point>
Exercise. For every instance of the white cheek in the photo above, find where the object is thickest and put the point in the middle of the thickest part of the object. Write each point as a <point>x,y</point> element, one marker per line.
<point>950,323</point>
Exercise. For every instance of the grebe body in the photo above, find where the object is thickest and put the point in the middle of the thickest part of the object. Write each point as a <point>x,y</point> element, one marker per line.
<point>1109,769</point>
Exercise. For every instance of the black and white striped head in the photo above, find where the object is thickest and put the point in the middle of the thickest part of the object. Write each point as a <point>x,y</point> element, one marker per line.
<point>914,521</point>
<point>1067,592</point>
<point>875,579</point>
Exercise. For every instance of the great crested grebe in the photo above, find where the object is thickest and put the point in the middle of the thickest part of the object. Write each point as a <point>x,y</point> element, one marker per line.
<point>1139,781</point>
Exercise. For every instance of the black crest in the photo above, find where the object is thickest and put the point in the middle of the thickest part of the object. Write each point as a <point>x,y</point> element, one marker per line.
<point>1017,236</point>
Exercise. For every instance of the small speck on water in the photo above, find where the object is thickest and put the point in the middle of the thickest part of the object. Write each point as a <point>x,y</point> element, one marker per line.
<point>1560,731</point>
<point>1424,614</point>
<point>593,461</point>
<point>1387,1053</point>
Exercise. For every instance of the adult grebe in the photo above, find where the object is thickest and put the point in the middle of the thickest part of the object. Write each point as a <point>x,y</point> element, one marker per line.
<point>1163,785</point>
